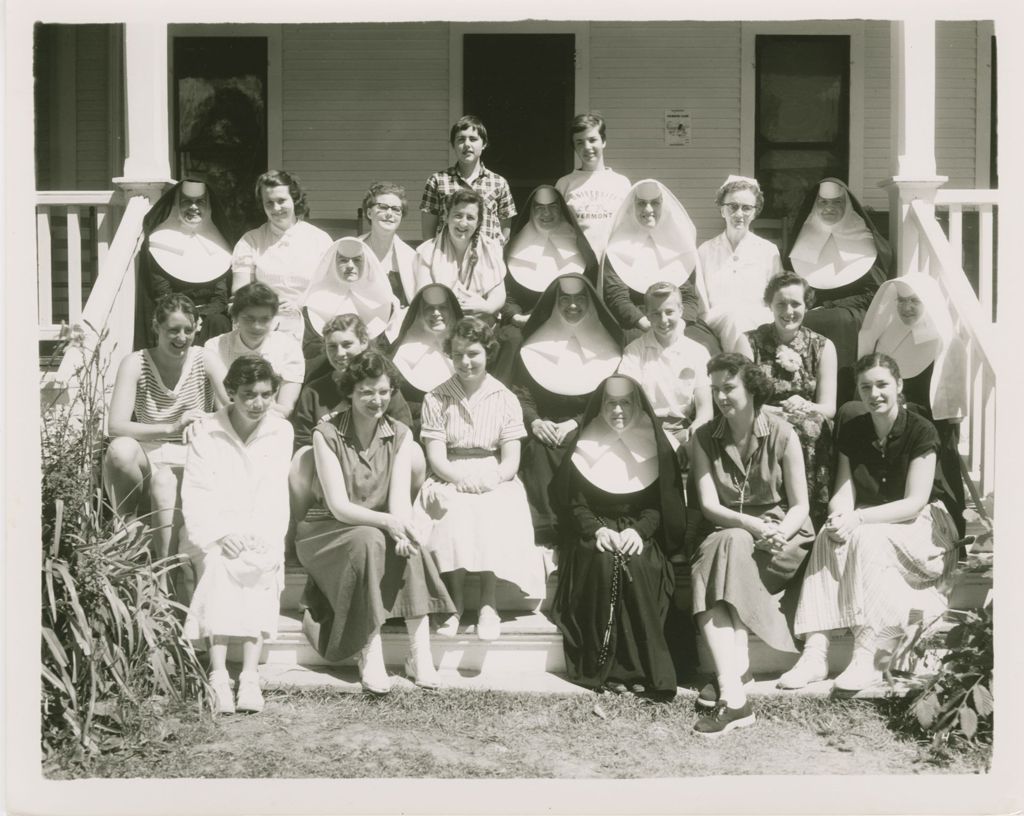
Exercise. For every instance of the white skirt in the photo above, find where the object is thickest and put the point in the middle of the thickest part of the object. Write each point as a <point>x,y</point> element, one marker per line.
<point>235,599</point>
<point>482,532</point>
<point>880,576</point>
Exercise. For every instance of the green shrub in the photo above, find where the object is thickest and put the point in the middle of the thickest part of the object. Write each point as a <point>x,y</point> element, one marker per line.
<point>111,635</point>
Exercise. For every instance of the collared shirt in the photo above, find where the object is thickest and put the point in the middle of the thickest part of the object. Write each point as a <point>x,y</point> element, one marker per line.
<point>484,421</point>
<point>669,375</point>
<point>366,470</point>
<point>237,487</point>
<point>493,188</point>
<point>879,470</point>
<point>321,398</point>
<point>759,482</point>
<point>285,260</point>
<point>735,279</point>
<point>280,349</point>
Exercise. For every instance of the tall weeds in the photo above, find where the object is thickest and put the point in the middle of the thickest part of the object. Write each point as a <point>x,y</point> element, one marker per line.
<point>111,636</point>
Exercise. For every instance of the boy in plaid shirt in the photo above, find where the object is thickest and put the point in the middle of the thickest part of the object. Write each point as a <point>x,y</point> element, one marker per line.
<point>468,140</point>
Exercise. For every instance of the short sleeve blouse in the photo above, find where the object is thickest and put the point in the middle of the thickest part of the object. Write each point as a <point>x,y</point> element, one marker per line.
<point>760,483</point>
<point>485,421</point>
<point>880,472</point>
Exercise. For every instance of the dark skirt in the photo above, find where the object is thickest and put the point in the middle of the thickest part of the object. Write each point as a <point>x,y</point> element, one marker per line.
<point>727,568</point>
<point>536,470</point>
<point>357,581</point>
<point>637,651</point>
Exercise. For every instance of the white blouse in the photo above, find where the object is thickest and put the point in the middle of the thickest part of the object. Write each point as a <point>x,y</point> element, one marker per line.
<point>734,280</point>
<point>236,487</point>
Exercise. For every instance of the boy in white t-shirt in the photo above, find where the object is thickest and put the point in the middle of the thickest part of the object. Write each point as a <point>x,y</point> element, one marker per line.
<point>594,192</point>
<point>671,368</point>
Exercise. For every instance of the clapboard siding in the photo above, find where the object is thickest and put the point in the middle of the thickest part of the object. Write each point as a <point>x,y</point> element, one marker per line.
<point>93,171</point>
<point>364,103</point>
<point>956,101</point>
<point>637,70</point>
<point>877,115</point>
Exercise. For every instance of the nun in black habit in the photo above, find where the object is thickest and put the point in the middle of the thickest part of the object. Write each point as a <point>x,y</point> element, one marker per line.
<point>571,344</point>
<point>418,351</point>
<point>838,250</point>
<point>184,251</point>
<point>619,491</point>
<point>546,242</point>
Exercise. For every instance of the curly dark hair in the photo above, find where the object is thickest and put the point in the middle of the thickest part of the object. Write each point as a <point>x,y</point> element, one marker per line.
<point>367,365</point>
<point>253,294</point>
<point>282,178</point>
<point>758,384</point>
<point>379,188</point>
<point>346,323</point>
<point>783,279</point>
<point>472,329</point>
<point>174,302</point>
<point>249,369</point>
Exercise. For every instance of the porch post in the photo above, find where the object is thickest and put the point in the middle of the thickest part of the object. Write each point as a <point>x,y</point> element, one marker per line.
<point>147,167</point>
<point>912,77</point>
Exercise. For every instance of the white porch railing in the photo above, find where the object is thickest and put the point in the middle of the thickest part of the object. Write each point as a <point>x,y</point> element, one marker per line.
<point>108,319</point>
<point>71,211</point>
<point>934,254</point>
<point>984,202</point>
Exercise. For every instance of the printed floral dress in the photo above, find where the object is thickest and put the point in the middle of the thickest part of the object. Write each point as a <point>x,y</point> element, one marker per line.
<point>793,368</point>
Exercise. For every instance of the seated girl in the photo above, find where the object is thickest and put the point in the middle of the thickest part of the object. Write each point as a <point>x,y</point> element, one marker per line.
<point>235,503</point>
<point>889,546</point>
<point>463,259</point>
<point>349,280</point>
<point>620,494</point>
<point>802,367</point>
<point>360,547</point>
<point>344,338</point>
<point>910,321</point>
<point>159,395</point>
<point>384,206</point>
<point>254,310</point>
<point>570,345</point>
<point>472,426</point>
<point>750,479</point>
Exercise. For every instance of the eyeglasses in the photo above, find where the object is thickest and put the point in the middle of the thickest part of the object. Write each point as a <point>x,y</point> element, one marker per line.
<point>733,207</point>
<point>383,208</point>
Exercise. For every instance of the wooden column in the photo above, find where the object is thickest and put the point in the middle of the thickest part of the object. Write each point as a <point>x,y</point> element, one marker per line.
<point>912,74</point>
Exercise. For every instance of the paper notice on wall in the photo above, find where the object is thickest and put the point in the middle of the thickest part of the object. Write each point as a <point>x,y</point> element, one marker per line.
<point>677,126</point>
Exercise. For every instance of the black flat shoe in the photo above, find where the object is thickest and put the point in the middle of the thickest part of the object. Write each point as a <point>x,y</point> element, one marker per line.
<point>724,720</point>
<point>708,697</point>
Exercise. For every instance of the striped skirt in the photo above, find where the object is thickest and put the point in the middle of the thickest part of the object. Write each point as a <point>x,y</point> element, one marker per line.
<point>880,575</point>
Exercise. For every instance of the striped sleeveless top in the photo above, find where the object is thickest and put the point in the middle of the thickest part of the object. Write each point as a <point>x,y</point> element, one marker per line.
<point>156,403</point>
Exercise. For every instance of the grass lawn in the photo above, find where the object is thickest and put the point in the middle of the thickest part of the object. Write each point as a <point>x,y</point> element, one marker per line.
<point>327,733</point>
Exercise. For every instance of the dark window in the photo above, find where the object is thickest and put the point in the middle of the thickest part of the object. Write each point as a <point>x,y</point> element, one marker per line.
<point>802,116</point>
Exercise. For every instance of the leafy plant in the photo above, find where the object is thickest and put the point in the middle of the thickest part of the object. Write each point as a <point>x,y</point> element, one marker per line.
<point>945,665</point>
<point>111,635</point>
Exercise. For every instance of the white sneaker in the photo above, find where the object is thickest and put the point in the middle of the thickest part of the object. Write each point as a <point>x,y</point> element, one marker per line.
<point>488,625</point>
<point>450,627</point>
<point>250,698</point>
<point>810,668</point>
<point>224,698</point>
<point>860,674</point>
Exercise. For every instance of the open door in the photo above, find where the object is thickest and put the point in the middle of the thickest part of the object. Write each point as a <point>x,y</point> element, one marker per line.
<point>523,88</point>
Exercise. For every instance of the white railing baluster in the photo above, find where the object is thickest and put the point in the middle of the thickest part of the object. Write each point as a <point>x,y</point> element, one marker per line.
<point>985,265</point>
<point>988,428</point>
<point>44,270</point>
<point>104,234</point>
<point>74,265</point>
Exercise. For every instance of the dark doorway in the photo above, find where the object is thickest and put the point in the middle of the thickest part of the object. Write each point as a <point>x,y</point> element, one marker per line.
<point>523,88</point>
<point>220,120</point>
<point>802,116</point>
